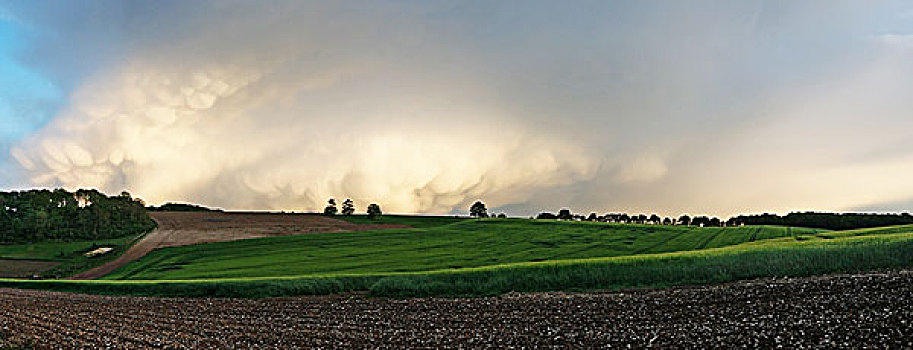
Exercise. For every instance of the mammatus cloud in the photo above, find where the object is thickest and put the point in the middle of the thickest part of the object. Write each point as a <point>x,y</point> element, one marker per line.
<point>706,108</point>
<point>203,135</point>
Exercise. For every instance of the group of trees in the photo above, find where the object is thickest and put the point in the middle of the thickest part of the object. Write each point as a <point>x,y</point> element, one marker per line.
<point>181,207</point>
<point>40,215</point>
<point>566,214</point>
<point>348,208</point>
<point>830,221</point>
<point>478,210</point>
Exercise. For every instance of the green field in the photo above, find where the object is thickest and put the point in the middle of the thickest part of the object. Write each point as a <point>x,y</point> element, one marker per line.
<point>415,221</point>
<point>69,256</point>
<point>494,256</point>
<point>455,245</point>
<point>778,257</point>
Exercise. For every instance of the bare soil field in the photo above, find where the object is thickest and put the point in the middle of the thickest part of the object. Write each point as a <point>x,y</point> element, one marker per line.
<point>15,268</point>
<point>843,311</point>
<point>186,228</point>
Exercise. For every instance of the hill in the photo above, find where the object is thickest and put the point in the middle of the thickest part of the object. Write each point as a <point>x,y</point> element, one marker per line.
<point>447,244</point>
<point>795,256</point>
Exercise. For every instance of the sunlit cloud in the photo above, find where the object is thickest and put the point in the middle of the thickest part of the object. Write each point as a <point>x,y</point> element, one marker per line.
<point>201,136</point>
<point>425,107</point>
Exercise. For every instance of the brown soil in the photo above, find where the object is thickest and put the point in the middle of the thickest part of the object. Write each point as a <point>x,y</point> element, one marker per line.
<point>15,268</point>
<point>845,311</point>
<point>186,228</point>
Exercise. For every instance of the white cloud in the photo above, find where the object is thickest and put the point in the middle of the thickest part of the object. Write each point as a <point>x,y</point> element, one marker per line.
<point>126,131</point>
<point>714,108</point>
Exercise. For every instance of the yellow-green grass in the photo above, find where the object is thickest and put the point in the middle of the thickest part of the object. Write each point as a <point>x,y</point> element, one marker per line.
<point>775,258</point>
<point>62,258</point>
<point>458,245</point>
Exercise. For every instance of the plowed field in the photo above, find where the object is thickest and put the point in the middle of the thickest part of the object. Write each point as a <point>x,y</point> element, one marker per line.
<point>843,311</point>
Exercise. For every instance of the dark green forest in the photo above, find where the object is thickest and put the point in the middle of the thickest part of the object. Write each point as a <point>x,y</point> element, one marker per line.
<point>59,215</point>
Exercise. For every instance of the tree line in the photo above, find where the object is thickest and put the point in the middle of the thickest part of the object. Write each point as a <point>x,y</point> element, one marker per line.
<point>41,215</point>
<point>644,219</point>
<point>181,207</point>
<point>830,221</point>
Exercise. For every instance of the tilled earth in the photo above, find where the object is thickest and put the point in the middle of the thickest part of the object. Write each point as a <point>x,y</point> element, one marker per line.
<point>846,311</point>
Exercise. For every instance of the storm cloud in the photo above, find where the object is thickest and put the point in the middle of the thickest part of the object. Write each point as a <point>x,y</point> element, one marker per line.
<point>668,107</point>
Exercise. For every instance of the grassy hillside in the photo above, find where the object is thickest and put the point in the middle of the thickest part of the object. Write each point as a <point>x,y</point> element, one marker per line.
<point>459,244</point>
<point>415,221</point>
<point>778,257</point>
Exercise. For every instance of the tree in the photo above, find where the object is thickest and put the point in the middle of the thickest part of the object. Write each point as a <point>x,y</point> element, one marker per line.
<point>701,221</point>
<point>348,207</point>
<point>37,215</point>
<point>684,220</point>
<point>592,217</point>
<point>565,214</point>
<point>374,210</point>
<point>478,210</point>
<point>667,221</point>
<point>715,222</point>
<point>502,216</point>
<point>546,216</point>
<point>330,210</point>
<point>655,219</point>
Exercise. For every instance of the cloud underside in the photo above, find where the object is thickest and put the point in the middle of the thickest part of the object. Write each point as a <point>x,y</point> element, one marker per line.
<point>223,136</point>
<point>700,108</point>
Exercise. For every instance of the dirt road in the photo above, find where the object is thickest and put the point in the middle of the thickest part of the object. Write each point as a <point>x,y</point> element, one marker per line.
<point>186,228</point>
<point>846,311</point>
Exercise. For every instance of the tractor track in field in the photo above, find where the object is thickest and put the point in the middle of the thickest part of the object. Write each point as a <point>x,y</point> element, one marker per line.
<point>709,239</point>
<point>649,249</point>
<point>754,234</point>
<point>872,310</point>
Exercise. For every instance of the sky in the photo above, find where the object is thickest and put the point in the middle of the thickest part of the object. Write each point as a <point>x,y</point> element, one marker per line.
<point>669,107</point>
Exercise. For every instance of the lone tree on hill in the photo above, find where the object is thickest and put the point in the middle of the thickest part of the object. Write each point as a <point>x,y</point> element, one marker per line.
<point>478,210</point>
<point>330,210</point>
<point>348,207</point>
<point>374,210</point>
